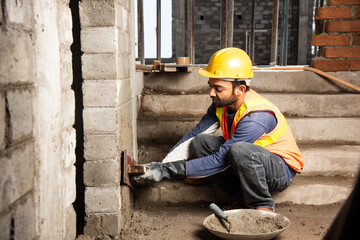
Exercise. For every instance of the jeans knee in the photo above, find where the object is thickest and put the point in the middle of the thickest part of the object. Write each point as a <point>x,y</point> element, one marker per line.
<point>240,155</point>
<point>198,141</point>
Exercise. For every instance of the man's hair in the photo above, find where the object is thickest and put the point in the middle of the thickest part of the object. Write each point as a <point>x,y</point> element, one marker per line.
<point>239,83</point>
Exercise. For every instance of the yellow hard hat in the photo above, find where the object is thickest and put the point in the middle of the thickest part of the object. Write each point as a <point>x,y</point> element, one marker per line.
<point>228,63</point>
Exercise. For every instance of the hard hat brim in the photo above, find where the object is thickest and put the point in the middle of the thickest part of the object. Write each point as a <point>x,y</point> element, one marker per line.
<point>203,72</point>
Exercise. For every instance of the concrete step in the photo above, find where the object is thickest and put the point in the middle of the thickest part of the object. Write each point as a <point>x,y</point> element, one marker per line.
<point>329,160</point>
<point>264,81</point>
<point>344,131</point>
<point>304,190</point>
<point>300,105</point>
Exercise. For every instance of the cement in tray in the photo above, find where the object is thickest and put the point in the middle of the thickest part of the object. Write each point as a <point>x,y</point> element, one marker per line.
<point>247,223</point>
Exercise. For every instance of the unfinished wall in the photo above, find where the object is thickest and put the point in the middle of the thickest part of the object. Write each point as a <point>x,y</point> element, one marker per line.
<point>207,24</point>
<point>37,173</point>
<point>341,40</point>
<point>109,115</point>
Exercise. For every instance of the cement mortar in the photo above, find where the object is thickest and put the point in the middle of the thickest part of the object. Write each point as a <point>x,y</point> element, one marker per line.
<point>248,223</point>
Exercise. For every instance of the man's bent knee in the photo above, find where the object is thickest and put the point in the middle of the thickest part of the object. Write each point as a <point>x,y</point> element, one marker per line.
<point>199,141</point>
<point>240,152</point>
<point>204,144</point>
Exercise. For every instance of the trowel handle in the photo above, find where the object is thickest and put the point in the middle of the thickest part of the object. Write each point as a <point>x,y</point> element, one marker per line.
<point>218,212</point>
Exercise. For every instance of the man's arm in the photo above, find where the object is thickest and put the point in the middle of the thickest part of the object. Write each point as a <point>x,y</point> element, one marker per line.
<point>181,151</point>
<point>249,129</point>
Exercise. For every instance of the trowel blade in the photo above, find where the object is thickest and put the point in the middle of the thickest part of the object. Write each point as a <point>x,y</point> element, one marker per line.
<point>126,161</point>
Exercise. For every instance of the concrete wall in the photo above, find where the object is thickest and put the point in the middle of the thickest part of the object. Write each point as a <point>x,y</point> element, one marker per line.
<point>37,173</point>
<point>110,103</point>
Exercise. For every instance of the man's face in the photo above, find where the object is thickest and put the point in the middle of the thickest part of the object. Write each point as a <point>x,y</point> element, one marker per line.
<point>222,92</point>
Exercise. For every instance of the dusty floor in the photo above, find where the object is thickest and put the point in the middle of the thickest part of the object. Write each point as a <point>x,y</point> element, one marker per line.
<point>176,222</point>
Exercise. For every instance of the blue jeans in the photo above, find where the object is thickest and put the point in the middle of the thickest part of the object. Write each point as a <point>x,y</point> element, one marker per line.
<point>254,171</point>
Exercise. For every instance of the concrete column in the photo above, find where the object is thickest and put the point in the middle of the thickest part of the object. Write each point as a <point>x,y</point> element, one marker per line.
<point>36,117</point>
<point>108,67</point>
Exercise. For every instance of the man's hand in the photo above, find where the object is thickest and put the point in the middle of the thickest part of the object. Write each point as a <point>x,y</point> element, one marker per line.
<point>156,171</point>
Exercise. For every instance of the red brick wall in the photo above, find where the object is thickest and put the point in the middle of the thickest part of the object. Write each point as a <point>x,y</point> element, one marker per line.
<point>341,40</point>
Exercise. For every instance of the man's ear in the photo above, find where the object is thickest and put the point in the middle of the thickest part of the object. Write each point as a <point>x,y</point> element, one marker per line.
<point>241,89</point>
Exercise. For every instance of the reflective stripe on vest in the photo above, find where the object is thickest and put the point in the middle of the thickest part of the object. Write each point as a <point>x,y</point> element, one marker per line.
<point>279,141</point>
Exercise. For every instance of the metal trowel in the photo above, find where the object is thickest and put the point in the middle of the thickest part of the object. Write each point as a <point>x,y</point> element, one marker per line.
<point>221,214</point>
<point>129,168</point>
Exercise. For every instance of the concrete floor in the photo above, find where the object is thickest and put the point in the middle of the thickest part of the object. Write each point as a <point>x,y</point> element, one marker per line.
<point>185,222</point>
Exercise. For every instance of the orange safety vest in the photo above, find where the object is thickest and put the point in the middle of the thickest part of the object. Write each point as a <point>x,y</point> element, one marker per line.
<point>279,141</point>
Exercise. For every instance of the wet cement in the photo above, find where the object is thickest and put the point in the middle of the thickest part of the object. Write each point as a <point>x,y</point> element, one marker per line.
<point>248,223</point>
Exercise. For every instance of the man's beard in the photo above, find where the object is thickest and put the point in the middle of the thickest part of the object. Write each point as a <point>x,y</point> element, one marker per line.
<point>224,102</point>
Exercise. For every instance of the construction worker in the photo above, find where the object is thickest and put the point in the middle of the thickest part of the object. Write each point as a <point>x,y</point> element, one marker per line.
<point>257,153</point>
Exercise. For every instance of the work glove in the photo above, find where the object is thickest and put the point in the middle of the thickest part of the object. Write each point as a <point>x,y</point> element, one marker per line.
<point>156,171</point>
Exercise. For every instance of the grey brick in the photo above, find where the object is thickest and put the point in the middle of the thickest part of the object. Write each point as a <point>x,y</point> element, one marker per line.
<point>99,66</point>
<point>5,225</point>
<point>20,108</point>
<point>102,223</point>
<point>19,12</point>
<point>100,147</point>
<point>24,219</point>
<point>106,93</point>
<point>99,39</point>
<point>101,174</point>
<point>16,58</point>
<point>15,181</point>
<point>100,120</point>
<point>96,13</point>
<point>102,199</point>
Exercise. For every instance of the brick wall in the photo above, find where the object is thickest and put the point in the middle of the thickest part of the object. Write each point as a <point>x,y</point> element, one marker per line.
<point>108,69</point>
<point>341,40</point>
<point>37,173</point>
<point>207,29</point>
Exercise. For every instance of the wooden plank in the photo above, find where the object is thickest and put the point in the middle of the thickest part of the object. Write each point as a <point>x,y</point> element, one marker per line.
<point>144,68</point>
<point>167,68</point>
<point>177,68</point>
